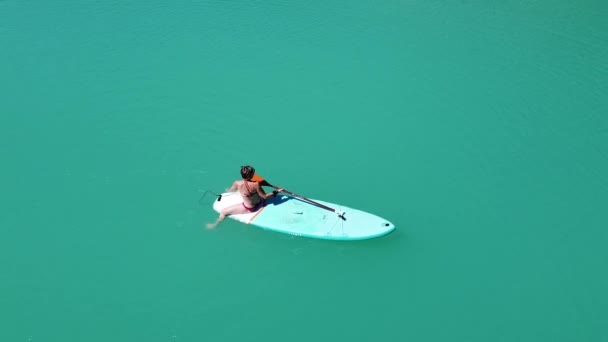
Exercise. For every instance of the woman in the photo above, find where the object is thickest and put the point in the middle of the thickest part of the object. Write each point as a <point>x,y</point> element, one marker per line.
<point>253,196</point>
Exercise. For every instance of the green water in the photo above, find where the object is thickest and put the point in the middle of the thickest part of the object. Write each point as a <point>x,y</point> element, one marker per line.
<point>478,128</point>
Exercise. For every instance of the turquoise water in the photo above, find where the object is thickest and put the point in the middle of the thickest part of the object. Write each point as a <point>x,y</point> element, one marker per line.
<point>478,128</point>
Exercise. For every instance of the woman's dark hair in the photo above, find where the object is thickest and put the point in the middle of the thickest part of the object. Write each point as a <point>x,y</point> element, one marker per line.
<point>247,172</point>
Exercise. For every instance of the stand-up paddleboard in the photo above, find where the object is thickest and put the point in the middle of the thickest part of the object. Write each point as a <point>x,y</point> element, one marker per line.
<point>291,215</point>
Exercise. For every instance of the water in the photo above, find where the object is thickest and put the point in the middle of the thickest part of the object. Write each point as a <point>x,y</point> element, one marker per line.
<point>478,128</point>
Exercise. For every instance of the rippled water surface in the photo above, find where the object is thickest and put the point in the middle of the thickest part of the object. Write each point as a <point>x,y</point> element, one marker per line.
<point>478,128</point>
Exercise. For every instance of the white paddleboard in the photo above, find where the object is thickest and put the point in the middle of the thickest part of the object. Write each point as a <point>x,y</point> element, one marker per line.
<point>291,215</point>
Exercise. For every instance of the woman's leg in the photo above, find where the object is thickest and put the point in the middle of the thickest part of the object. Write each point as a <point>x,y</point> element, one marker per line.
<point>231,210</point>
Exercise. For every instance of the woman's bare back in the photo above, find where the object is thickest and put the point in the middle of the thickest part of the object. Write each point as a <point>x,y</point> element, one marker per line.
<point>249,192</point>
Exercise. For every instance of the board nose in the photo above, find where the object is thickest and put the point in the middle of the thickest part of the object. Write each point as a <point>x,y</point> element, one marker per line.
<point>388,225</point>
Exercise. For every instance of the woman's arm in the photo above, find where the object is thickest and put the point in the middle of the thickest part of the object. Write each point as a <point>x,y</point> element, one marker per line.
<point>263,193</point>
<point>234,187</point>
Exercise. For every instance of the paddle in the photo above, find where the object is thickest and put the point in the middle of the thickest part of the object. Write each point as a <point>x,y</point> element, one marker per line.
<point>262,181</point>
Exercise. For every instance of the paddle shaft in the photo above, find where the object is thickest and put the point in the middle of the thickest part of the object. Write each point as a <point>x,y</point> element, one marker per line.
<point>306,199</point>
<point>262,181</point>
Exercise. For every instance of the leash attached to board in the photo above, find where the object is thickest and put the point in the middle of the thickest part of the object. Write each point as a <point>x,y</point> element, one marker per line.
<point>219,197</point>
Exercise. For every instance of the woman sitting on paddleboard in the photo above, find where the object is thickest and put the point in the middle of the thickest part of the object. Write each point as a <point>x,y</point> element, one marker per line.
<point>252,192</point>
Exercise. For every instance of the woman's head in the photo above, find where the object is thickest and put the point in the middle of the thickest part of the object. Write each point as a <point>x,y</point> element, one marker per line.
<point>247,172</point>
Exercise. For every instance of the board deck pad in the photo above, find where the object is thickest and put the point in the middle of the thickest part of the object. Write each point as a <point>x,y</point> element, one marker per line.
<point>291,215</point>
